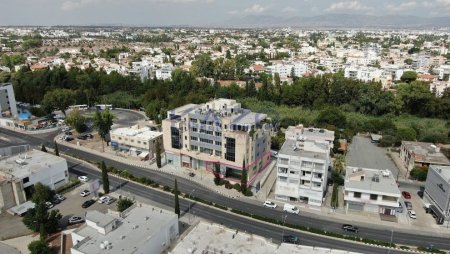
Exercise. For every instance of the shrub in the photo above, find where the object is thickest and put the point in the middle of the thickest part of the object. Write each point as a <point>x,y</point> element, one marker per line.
<point>419,173</point>
<point>248,193</point>
<point>228,185</point>
<point>167,188</point>
<point>237,187</point>
<point>123,204</point>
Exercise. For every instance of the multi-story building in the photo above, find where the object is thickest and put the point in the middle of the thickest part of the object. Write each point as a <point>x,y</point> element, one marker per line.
<point>437,192</point>
<point>136,140</point>
<point>7,100</point>
<point>165,72</point>
<point>362,73</point>
<point>218,136</point>
<point>22,168</point>
<point>302,167</point>
<point>139,229</point>
<point>421,154</point>
<point>371,190</point>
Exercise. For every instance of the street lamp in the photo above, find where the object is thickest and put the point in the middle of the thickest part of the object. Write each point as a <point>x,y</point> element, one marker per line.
<point>284,221</point>
<point>190,215</point>
<point>390,245</point>
<point>120,184</point>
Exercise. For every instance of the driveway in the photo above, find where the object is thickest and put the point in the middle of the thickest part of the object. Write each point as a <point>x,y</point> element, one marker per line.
<point>362,153</point>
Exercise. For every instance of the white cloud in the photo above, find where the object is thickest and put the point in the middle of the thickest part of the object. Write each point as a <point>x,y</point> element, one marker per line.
<point>256,8</point>
<point>233,12</point>
<point>401,7</point>
<point>289,9</point>
<point>348,6</point>
<point>437,4</point>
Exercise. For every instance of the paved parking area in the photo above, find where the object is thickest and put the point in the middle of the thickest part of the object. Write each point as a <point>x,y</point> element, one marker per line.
<point>362,153</point>
<point>12,226</point>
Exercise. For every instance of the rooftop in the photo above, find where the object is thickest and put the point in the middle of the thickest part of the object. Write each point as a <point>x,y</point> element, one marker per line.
<point>137,227</point>
<point>25,164</point>
<point>297,148</point>
<point>426,152</point>
<point>100,219</point>
<point>299,131</point>
<point>371,180</point>
<point>135,131</point>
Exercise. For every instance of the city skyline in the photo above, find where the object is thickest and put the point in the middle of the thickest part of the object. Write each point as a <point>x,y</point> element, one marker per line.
<point>200,12</point>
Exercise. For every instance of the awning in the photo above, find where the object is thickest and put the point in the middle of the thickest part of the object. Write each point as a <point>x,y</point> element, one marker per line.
<point>143,155</point>
<point>21,209</point>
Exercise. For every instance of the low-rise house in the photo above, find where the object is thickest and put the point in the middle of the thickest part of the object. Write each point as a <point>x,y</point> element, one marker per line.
<point>437,192</point>
<point>421,154</point>
<point>371,190</point>
<point>139,229</point>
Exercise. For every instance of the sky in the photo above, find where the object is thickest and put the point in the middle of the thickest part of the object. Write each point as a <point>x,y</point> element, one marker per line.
<point>197,12</point>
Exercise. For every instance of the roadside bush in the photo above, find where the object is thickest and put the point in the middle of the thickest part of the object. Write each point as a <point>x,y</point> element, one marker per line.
<point>431,250</point>
<point>248,193</point>
<point>167,188</point>
<point>69,186</point>
<point>419,173</point>
<point>228,185</point>
<point>237,187</point>
<point>123,204</point>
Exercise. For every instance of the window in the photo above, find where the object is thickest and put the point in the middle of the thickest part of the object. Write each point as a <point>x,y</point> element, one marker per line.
<point>193,120</point>
<point>218,143</point>
<point>282,170</point>
<point>26,179</point>
<point>194,129</point>
<point>209,132</point>
<point>283,161</point>
<point>206,150</point>
<point>373,196</point>
<point>194,138</point>
<point>204,140</point>
<point>185,137</point>
<point>218,134</point>
<point>203,122</point>
<point>139,142</point>
<point>175,138</point>
<point>357,194</point>
<point>218,153</point>
<point>209,123</point>
<point>307,164</point>
<point>145,143</point>
<point>282,179</point>
<point>230,147</point>
<point>194,148</point>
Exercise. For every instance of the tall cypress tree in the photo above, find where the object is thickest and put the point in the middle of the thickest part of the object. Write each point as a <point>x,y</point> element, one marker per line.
<point>177,201</point>
<point>105,178</point>
<point>56,149</point>
<point>244,178</point>
<point>158,154</point>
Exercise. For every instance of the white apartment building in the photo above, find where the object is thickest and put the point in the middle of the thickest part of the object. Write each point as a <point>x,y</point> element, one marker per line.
<point>165,72</point>
<point>21,169</point>
<point>8,106</point>
<point>303,162</point>
<point>139,229</point>
<point>285,70</point>
<point>371,190</point>
<point>136,140</point>
<point>362,73</point>
<point>437,192</point>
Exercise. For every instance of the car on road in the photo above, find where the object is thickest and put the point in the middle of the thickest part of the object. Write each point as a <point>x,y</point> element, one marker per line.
<point>269,204</point>
<point>87,203</point>
<point>191,174</point>
<point>412,214</point>
<point>290,208</point>
<point>406,194</point>
<point>350,228</point>
<point>49,204</point>
<point>291,239</point>
<point>68,139</point>
<point>408,205</point>
<point>83,178</point>
<point>75,220</point>
<point>55,201</point>
<point>85,193</point>
<point>105,200</point>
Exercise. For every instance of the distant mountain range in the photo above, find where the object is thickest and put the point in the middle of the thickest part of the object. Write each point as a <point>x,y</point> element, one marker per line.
<point>339,21</point>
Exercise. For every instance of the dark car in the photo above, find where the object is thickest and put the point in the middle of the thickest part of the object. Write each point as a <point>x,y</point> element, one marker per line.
<point>291,239</point>
<point>406,194</point>
<point>56,201</point>
<point>89,135</point>
<point>68,139</point>
<point>350,228</point>
<point>68,133</point>
<point>83,137</point>
<point>88,203</point>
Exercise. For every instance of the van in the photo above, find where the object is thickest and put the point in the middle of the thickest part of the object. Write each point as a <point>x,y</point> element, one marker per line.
<point>290,208</point>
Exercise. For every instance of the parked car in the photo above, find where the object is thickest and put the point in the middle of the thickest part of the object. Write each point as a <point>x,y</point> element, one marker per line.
<point>104,199</point>
<point>269,204</point>
<point>290,208</point>
<point>49,204</point>
<point>83,178</point>
<point>82,137</point>
<point>85,193</point>
<point>412,214</point>
<point>67,138</point>
<point>60,197</point>
<point>291,239</point>
<point>55,201</point>
<point>75,220</point>
<point>408,205</point>
<point>68,133</point>
<point>87,203</point>
<point>406,194</point>
<point>350,228</point>
<point>109,201</point>
<point>89,135</point>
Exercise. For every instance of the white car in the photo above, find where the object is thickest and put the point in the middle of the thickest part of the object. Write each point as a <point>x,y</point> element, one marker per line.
<point>85,193</point>
<point>412,214</point>
<point>49,204</point>
<point>83,178</point>
<point>75,220</point>
<point>104,199</point>
<point>269,204</point>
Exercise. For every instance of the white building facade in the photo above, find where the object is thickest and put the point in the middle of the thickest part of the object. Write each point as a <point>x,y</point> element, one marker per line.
<point>8,106</point>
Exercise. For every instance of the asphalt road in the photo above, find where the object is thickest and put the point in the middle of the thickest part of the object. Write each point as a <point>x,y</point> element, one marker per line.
<point>305,219</point>
<point>362,153</point>
<point>230,220</point>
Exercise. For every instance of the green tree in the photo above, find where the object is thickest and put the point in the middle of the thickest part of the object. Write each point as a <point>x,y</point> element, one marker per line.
<point>408,76</point>
<point>228,54</point>
<point>43,149</point>
<point>204,66</point>
<point>41,193</point>
<point>56,149</point>
<point>124,203</point>
<point>105,178</point>
<point>39,215</point>
<point>102,123</point>
<point>406,134</point>
<point>331,116</point>
<point>76,120</point>
<point>244,178</point>
<point>39,247</point>
<point>177,201</point>
<point>158,153</point>
<point>59,99</point>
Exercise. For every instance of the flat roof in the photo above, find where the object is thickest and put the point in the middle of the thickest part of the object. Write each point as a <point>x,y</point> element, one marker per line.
<point>364,179</point>
<point>27,163</point>
<point>443,171</point>
<point>309,133</point>
<point>247,118</point>
<point>291,148</point>
<point>184,109</point>
<point>100,219</point>
<point>143,133</point>
<point>426,152</point>
<point>139,225</point>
